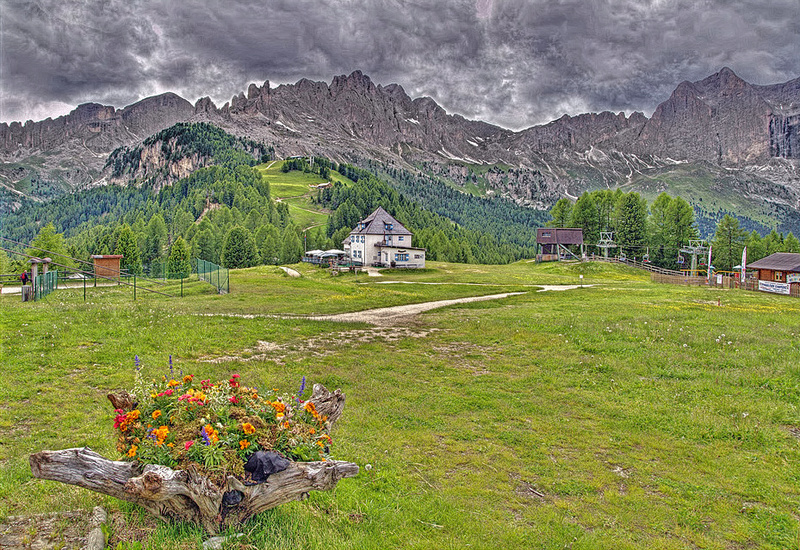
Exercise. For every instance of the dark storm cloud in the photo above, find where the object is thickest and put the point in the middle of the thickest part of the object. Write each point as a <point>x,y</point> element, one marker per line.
<point>511,62</point>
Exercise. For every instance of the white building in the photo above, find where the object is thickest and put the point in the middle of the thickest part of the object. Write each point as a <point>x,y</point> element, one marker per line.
<point>380,240</point>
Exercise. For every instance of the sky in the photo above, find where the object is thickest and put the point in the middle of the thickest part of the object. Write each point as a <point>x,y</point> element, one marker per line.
<point>513,63</point>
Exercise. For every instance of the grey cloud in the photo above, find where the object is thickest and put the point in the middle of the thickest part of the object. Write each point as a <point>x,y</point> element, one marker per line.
<point>510,62</point>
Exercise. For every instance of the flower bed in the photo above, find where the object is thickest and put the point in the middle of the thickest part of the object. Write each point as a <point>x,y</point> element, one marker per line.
<point>216,426</point>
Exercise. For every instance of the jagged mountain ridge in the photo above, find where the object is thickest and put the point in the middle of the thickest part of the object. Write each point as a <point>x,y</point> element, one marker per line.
<point>721,120</point>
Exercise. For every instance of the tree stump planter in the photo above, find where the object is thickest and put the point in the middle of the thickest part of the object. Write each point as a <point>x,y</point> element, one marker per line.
<point>187,494</point>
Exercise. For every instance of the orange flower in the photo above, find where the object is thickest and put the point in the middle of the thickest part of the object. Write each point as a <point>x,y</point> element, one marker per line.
<point>243,444</point>
<point>188,378</point>
<point>312,431</point>
<point>132,451</point>
<point>173,383</point>
<point>161,435</point>
<point>156,414</point>
<point>248,428</point>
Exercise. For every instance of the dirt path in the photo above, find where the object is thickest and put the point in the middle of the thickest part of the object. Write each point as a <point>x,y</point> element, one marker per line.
<point>290,272</point>
<point>388,316</point>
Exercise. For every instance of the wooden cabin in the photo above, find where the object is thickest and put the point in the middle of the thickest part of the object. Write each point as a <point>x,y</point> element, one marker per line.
<point>554,242</point>
<point>778,273</point>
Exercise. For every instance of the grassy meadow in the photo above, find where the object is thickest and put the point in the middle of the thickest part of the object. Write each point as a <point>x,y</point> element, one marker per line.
<point>293,188</point>
<point>623,415</point>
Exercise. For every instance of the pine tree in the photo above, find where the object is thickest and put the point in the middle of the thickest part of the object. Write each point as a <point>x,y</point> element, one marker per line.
<point>291,245</point>
<point>630,218</point>
<point>179,263</point>
<point>239,249</point>
<point>560,213</point>
<point>131,261</point>
<point>728,243</point>
<point>585,215</point>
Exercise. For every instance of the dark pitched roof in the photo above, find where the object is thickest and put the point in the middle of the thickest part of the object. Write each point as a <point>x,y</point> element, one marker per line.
<point>559,235</point>
<point>380,222</point>
<point>780,261</point>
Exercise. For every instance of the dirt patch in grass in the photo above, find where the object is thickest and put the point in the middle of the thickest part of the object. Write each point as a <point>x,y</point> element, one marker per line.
<point>65,530</point>
<point>321,346</point>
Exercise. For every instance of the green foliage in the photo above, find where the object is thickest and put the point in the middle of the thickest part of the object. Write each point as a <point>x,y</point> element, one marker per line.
<point>179,263</point>
<point>728,243</point>
<point>444,240</point>
<point>5,263</point>
<point>585,215</point>
<point>239,249</point>
<point>155,238</point>
<point>630,219</point>
<point>561,213</point>
<point>192,139</point>
<point>672,225</point>
<point>131,261</point>
<point>49,243</point>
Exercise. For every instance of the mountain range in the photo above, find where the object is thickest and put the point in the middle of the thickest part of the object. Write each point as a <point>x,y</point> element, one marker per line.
<point>722,143</point>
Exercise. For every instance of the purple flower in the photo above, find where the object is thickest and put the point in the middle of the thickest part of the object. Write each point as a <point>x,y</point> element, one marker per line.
<point>206,440</point>
<point>137,363</point>
<point>302,389</point>
<point>171,371</point>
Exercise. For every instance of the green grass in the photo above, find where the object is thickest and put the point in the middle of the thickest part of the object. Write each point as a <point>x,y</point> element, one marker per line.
<point>294,183</point>
<point>293,189</point>
<point>622,415</point>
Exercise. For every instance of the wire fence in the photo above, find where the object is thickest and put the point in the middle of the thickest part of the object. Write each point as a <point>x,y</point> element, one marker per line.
<point>45,284</point>
<point>214,274</point>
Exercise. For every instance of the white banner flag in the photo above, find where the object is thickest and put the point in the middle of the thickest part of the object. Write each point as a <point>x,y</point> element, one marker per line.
<point>744,263</point>
<point>709,263</point>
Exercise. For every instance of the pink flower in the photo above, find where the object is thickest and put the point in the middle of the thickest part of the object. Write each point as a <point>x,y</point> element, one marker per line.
<point>234,399</point>
<point>188,444</point>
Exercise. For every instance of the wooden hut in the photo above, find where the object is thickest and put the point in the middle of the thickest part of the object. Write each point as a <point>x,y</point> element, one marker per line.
<point>554,242</point>
<point>778,273</point>
<point>107,265</point>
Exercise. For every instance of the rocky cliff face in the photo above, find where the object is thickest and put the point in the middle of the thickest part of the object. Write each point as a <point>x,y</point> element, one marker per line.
<point>721,120</point>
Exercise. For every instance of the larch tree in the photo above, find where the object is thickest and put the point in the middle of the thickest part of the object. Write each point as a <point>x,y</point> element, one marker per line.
<point>728,243</point>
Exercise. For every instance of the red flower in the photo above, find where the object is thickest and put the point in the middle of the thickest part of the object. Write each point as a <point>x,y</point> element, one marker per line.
<point>234,400</point>
<point>188,444</point>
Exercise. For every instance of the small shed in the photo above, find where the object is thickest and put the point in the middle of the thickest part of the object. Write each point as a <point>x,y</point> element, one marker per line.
<point>554,241</point>
<point>107,265</point>
<point>778,273</point>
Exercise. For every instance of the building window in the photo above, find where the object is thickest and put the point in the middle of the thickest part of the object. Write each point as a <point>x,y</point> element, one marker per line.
<point>779,275</point>
<point>399,238</point>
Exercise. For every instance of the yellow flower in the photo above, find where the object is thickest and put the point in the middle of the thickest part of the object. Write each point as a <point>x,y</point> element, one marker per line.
<point>132,451</point>
<point>248,428</point>
<point>156,414</point>
<point>279,416</point>
<point>243,444</point>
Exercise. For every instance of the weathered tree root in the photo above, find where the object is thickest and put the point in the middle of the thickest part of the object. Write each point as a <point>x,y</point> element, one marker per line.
<point>184,494</point>
<point>187,494</point>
